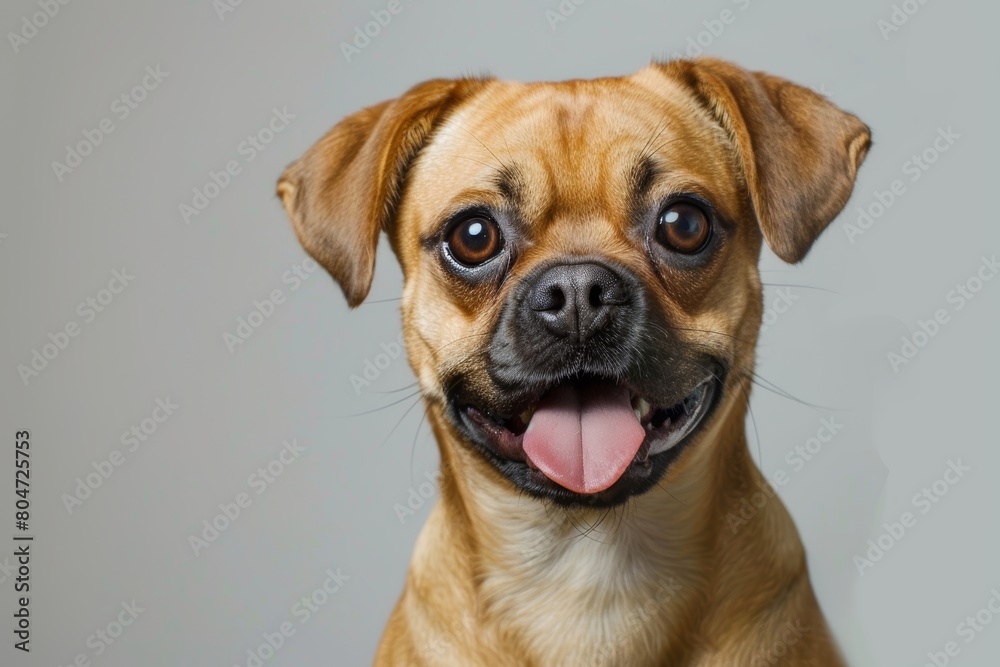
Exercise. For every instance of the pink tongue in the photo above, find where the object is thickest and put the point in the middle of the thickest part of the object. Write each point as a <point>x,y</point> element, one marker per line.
<point>584,437</point>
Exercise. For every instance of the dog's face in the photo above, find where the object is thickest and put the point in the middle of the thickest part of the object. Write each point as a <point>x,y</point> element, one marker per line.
<point>580,258</point>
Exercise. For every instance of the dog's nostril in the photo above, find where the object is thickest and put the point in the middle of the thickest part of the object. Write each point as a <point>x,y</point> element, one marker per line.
<point>557,298</point>
<point>548,298</point>
<point>596,296</point>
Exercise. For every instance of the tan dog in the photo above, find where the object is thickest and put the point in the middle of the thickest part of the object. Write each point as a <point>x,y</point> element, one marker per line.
<point>581,306</point>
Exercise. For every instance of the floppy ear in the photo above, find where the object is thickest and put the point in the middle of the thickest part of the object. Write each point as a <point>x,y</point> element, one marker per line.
<point>344,190</point>
<point>799,152</point>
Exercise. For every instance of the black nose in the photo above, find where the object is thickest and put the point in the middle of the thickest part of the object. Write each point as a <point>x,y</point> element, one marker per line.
<point>577,300</point>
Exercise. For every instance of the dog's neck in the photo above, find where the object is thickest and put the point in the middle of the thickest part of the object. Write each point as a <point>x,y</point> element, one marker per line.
<point>641,570</point>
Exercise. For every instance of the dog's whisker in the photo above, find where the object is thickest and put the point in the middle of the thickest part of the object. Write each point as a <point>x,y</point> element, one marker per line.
<point>472,159</point>
<point>590,528</point>
<point>423,418</point>
<point>580,532</point>
<point>624,520</point>
<point>783,394</point>
<point>502,165</point>
<point>506,145</point>
<point>573,522</point>
<point>396,391</point>
<point>709,371</point>
<point>812,287</point>
<point>459,339</point>
<point>775,389</point>
<point>645,152</point>
<point>722,388</point>
<point>662,485</point>
<point>746,397</point>
<point>416,435</point>
<point>507,272</point>
<point>400,421</point>
<point>753,422</point>
<point>374,301</point>
<point>611,512</point>
<point>620,516</point>
<point>663,145</point>
<point>593,527</point>
<point>379,409</point>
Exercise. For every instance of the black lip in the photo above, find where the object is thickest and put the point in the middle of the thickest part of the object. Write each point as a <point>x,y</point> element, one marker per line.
<point>638,478</point>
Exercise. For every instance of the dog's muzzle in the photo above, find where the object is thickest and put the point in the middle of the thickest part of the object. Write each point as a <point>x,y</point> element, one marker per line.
<point>591,396</point>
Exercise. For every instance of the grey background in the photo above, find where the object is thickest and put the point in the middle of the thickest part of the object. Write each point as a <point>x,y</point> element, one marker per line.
<point>334,507</point>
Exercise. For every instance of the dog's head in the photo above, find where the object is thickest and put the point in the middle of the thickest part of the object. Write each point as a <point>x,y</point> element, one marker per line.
<point>580,258</point>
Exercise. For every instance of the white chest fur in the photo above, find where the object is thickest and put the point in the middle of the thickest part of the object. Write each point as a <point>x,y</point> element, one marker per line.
<point>605,587</point>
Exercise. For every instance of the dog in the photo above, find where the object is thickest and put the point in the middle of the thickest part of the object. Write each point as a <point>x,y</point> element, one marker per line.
<point>581,304</point>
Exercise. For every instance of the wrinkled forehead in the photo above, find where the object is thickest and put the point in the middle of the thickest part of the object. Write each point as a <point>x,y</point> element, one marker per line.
<point>590,145</point>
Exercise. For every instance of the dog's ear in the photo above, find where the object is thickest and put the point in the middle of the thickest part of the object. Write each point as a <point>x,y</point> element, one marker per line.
<point>799,152</point>
<point>344,190</point>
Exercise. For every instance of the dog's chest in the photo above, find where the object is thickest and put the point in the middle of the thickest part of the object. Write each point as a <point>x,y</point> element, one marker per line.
<point>597,598</point>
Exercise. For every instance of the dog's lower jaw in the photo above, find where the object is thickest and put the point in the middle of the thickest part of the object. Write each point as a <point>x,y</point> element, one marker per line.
<point>501,578</point>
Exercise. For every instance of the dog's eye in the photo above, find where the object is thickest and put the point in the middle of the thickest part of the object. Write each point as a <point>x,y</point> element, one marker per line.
<point>474,241</point>
<point>683,227</point>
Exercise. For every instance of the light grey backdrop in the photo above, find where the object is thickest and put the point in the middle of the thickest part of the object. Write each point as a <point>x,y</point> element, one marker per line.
<point>278,72</point>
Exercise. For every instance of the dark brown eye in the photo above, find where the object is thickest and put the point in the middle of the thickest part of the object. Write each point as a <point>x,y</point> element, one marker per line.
<point>473,241</point>
<point>683,227</point>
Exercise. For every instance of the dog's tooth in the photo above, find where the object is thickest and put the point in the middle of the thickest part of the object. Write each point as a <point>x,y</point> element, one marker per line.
<point>527,415</point>
<point>638,414</point>
<point>641,407</point>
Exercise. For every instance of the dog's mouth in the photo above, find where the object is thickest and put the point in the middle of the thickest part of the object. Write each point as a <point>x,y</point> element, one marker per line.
<point>592,441</point>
